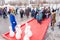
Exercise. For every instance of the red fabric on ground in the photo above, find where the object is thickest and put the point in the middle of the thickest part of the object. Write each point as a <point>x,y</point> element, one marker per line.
<point>38,30</point>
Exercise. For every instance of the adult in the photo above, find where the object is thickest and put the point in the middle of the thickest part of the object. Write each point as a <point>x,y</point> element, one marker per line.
<point>48,13</point>
<point>27,12</point>
<point>37,10</point>
<point>32,13</point>
<point>39,16</point>
<point>17,10</point>
<point>44,12</point>
<point>53,21</point>
<point>4,13</point>
<point>21,13</point>
<point>0,11</point>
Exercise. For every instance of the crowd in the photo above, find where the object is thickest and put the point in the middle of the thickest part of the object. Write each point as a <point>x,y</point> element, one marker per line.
<point>39,13</point>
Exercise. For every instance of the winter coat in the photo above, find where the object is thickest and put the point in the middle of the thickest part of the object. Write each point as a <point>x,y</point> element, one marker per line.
<point>13,22</point>
<point>53,17</point>
<point>39,16</point>
<point>33,13</point>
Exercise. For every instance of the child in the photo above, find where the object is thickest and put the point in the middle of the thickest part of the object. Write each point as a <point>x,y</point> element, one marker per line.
<point>13,21</point>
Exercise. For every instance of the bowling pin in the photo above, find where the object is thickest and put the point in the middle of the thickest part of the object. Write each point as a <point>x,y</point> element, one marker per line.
<point>26,28</point>
<point>11,32</point>
<point>28,31</point>
<point>26,24</point>
<point>29,34</point>
<point>18,32</point>
<point>26,38</point>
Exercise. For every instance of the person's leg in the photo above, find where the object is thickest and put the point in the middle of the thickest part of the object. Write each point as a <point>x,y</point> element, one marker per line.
<point>52,27</point>
<point>13,28</point>
<point>27,16</point>
<point>35,16</point>
<point>44,17</point>
<point>59,26</point>
<point>3,16</point>
<point>39,21</point>
<point>51,23</point>
<point>22,17</point>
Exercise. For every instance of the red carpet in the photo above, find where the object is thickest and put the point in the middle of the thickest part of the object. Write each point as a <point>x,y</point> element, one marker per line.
<point>38,30</point>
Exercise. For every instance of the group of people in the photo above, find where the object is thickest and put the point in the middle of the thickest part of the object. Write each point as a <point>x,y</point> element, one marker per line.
<point>3,12</point>
<point>44,13</point>
<point>38,14</point>
<point>41,14</point>
<point>12,16</point>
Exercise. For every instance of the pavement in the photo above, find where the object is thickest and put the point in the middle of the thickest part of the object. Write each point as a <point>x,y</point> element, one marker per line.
<point>50,35</point>
<point>54,35</point>
<point>4,24</point>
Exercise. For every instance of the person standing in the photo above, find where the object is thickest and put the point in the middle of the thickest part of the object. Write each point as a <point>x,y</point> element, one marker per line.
<point>39,16</point>
<point>33,13</point>
<point>53,21</point>
<point>36,13</point>
<point>4,13</point>
<point>16,10</point>
<point>29,9</point>
<point>37,9</point>
<point>21,13</point>
<point>12,21</point>
<point>27,12</point>
<point>44,12</point>
<point>48,13</point>
<point>0,11</point>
